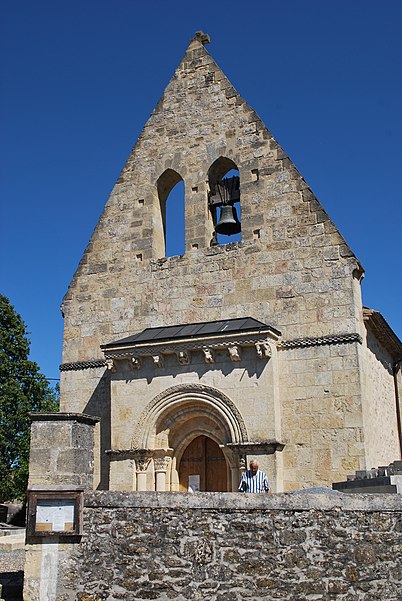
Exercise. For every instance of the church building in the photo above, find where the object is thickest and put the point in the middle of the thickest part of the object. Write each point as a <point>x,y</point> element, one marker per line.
<point>253,343</point>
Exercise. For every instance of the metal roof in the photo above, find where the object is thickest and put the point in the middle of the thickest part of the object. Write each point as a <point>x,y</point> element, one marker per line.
<point>193,330</point>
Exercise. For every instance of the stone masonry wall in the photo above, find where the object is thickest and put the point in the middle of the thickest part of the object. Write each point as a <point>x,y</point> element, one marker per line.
<point>291,270</point>
<point>228,547</point>
<point>379,404</point>
<point>290,258</point>
<point>322,421</point>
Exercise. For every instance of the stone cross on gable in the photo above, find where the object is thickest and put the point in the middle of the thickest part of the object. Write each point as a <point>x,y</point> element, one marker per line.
<point>202,37</point>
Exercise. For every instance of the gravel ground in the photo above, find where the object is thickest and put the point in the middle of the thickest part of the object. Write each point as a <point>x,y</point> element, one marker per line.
<point>11,574</point>
<point>12,561</point>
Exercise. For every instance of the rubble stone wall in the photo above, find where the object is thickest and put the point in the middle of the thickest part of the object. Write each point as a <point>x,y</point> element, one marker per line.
<point>227,546</point>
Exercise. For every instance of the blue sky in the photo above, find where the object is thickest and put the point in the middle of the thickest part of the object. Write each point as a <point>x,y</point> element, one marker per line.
<point>80,79</point>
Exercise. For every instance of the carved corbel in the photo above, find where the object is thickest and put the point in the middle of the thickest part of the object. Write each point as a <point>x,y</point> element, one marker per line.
<point>234,353</point>
<point>263,350</point>
<point>135,362</point>
<point>183,357</point>
<point>208,355</point>
<point>158,360</point>
<point>111,365</point>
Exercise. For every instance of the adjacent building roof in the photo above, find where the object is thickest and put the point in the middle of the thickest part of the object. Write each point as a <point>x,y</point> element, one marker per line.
<point>383,332</point>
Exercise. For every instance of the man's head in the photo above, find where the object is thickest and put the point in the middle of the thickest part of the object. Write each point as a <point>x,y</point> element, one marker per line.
<point>253,466</point>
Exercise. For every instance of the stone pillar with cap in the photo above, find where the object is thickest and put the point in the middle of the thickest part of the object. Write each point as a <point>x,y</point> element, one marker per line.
<point>62,449</point>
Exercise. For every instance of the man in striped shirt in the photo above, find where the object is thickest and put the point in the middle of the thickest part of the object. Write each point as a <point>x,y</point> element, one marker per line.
<point>254,480</point>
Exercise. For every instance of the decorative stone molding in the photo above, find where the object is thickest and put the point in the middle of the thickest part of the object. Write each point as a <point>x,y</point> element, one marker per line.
<point>176,346</point>
<point>230,341</point>
<point>68,417</point>
<point>256,448</point>
<point>320,341</point>
<point>78,365</point>
<point>214,398</point>
<point>122,453</point>
<point>262,347</point>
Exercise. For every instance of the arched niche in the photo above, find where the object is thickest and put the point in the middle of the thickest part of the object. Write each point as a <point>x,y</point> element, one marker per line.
<point>221,169</point>
<point>169,232</point>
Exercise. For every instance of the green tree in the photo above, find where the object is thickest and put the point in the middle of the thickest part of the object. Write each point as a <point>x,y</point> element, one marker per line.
<point>23,389</point>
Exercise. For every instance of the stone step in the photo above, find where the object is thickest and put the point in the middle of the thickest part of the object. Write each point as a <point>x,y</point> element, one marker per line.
<point>12,542</point>
<point>8,530</point>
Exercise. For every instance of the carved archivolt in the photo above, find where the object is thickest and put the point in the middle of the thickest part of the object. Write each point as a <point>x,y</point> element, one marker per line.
<point>204,399</point>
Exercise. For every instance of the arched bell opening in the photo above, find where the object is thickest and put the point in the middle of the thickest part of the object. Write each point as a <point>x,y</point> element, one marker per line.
<point>170,235</point>
<point>224,201</point>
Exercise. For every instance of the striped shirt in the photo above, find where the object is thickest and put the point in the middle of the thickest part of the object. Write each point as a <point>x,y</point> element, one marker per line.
<point>257,482</point>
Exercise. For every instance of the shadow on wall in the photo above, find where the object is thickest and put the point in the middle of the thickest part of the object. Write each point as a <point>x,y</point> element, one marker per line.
<point>99,406</point>
<point>378,352</point>
<point>248,364</point>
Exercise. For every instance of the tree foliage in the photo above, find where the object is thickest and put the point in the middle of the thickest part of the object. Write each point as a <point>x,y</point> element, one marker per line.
<point>23,389</point>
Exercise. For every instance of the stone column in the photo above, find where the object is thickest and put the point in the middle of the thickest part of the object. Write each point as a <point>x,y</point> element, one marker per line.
<point>142,460</point>
<point>161,464</point>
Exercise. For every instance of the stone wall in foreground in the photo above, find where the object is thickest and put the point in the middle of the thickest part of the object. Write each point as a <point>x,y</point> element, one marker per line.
<point>227,546</point>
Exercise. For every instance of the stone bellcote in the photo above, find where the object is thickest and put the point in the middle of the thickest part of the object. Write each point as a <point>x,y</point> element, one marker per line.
<point>200,129</point>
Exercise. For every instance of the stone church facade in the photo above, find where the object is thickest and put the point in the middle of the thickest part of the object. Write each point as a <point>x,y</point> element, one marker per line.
<point>256,348</point>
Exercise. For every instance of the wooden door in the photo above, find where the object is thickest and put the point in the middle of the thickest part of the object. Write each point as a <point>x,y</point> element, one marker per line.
<point>203,467</point>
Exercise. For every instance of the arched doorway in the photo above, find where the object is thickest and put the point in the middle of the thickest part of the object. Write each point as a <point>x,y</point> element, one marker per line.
<point>203,467</point>
<point>180,415</point>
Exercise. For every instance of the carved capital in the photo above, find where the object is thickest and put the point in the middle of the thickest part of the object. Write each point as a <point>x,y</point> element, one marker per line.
<point>142,459</point>
<point>161,463</point>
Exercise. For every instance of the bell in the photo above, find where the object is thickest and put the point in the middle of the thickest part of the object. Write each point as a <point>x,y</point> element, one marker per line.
<point>228,223</point>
